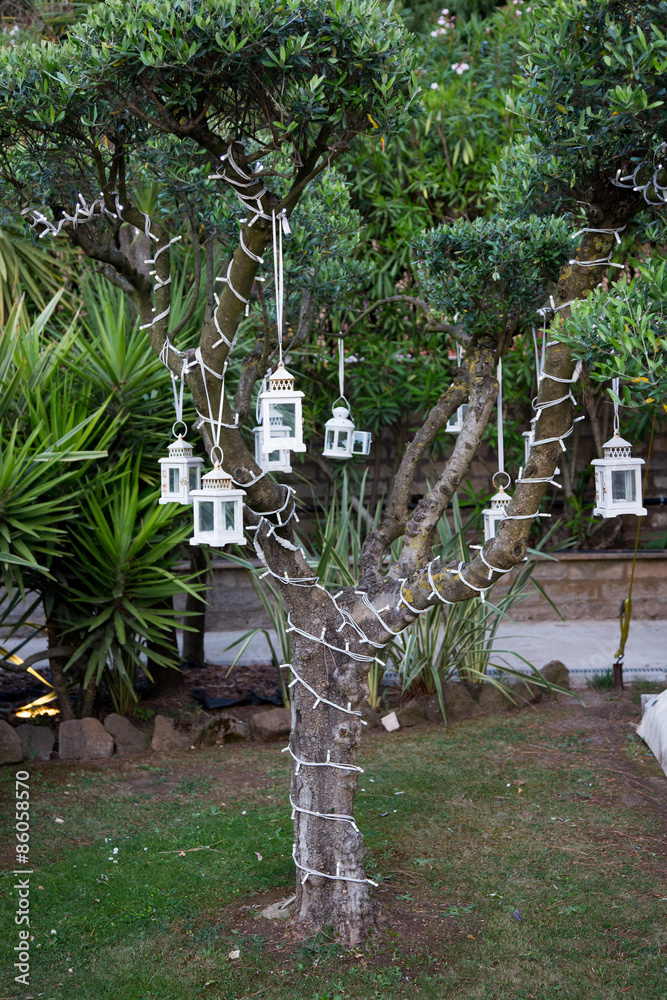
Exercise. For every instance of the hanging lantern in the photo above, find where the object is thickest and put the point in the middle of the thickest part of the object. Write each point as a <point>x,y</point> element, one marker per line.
<point>455,422</point>
<point>618,485</point>
<point>361,442</point>
<point>339,434</point>
<point>275,461</point>
<point>218,510</point>
<point>180,473</point>
<point>282,421</point>
<point>496,512</point>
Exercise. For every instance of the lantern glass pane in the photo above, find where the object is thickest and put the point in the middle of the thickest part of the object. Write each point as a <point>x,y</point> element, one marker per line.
<point>622,486</point>
<point>282,418</point>
<point>274,456</point>
<point>193,483</point>
<point>360,443</point>
<point>173,480</point>
<point>206,522</point>
<point>330,439</point>
<point>342,440</point>
<point>228,515</point>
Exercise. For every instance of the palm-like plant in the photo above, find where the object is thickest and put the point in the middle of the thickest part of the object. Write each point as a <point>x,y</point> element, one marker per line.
<point>116,589</point>
<point>457,642</point>
<point>26,268</point>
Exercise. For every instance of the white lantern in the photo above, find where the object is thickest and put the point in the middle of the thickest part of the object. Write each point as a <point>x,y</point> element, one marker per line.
<point>361,442</point>
<point>275,461</point>
<point>281,413</point>
<point>180,473</point>
<point>218,510</point>
<point>618,485</point>
<point>496,512</point>
<point>455,422</point>
<point>339,434</point>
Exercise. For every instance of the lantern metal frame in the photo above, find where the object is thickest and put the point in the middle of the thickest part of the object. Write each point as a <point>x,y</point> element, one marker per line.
<point>218,509</point>
<point>455,422</point>
<point>275,461</point>
<point>495,513</point>
<point>339,432</point>
<point>180,471</point>
<point>361,442</point>
<point>279,395</point>
<point>618,483</point>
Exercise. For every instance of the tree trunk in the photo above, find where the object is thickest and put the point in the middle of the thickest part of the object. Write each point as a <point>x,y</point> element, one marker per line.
<point>193,642</point>
<point>324,733</point>
<point>87,697</point>
<point>167,681</point>
<point>57,678</point>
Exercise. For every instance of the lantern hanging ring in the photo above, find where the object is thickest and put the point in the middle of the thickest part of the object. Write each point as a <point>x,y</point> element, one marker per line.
<point>344,398</point>
<point>175,425</point>
<point>212,454</point>
<point>501,472</point>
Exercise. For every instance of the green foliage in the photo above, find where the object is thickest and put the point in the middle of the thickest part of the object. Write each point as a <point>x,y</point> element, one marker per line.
<point>441,168</point>
<point>25,267</point>
<point>114,359</point>
<point>457,641</point>
<point>47,442</point>
<point>491,275</point>
<point>593,84</point>
<point>621,332</point>
<point>75,526</point>
<point>115,591</point>
<point>285,76</point>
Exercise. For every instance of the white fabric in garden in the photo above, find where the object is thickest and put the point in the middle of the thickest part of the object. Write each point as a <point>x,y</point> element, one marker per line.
<point>653,728</point>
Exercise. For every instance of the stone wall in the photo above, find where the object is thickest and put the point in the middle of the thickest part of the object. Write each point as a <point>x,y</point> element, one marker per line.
<point>582,585</point>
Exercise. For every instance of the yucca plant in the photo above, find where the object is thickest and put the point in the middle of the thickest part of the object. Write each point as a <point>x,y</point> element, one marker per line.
<point>115,591</point>
<point>457,641</point>
<point>26,268</point>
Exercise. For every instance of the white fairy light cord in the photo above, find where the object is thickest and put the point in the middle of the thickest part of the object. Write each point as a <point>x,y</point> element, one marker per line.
<point>320,763</point>
<point>402,600</point>
<point>492,569</point>
<point>480,590</point>
<point>159,282</point>
<point>338,877</point>
<point>631,180</point>
<point>83,213</point>
<point>298,679</point>
<point>610,232</point>
<point>561,437</point>
<point>360,657</point>
<point>434,590</point>
<point>341,817</point>
<point>371,607</point>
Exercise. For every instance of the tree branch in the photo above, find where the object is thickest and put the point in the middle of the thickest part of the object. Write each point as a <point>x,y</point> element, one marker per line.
<point>44,654</point>
<point>394,518</point>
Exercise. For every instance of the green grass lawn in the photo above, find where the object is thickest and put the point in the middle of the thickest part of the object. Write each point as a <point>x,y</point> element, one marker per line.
<point>521,857</point>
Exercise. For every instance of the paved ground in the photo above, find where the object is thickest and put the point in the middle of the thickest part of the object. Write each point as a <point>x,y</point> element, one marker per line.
<point>585,647</point>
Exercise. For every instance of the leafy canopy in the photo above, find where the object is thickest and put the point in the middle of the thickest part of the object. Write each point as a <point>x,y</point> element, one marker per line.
<point>491,274</point>
<point>593,92</point>
<point>622,333</point>
<point>293,75</point>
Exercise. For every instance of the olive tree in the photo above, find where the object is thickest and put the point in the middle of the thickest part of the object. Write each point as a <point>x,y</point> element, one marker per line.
<point>174,89</point>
